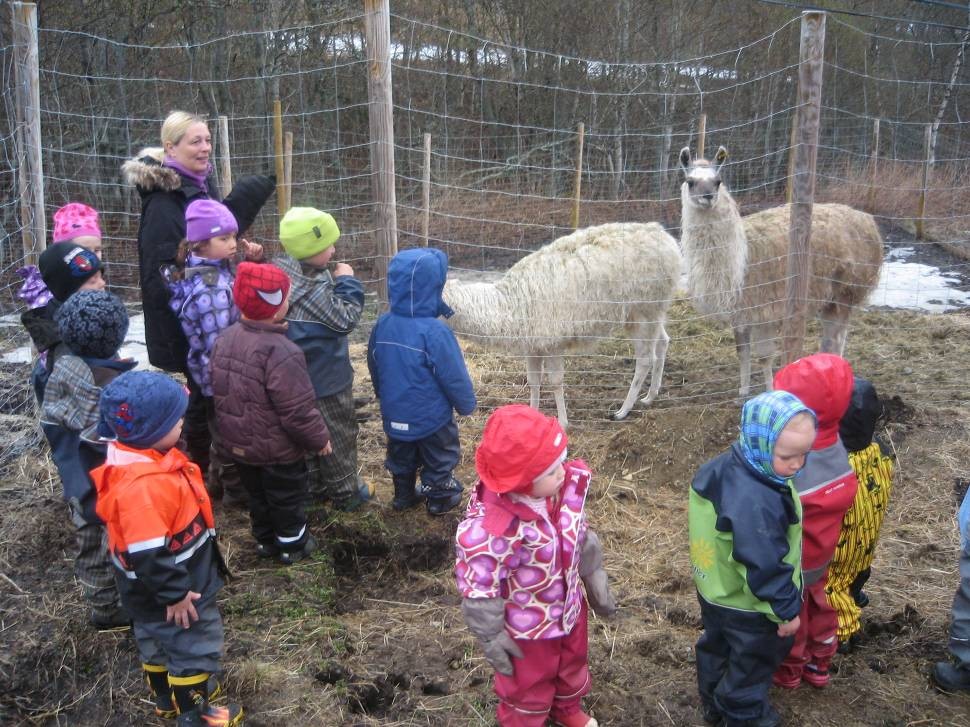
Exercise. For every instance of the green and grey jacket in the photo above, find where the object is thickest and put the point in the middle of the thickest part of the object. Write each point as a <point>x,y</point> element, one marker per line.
<point>745,538</point>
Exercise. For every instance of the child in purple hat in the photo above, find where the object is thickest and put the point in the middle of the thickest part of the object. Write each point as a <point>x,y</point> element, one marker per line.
<point>201,298</point>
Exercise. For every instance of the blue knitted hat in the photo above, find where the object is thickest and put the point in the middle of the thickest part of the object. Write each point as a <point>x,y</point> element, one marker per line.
<point>140,407</point>
<point>93,323</point>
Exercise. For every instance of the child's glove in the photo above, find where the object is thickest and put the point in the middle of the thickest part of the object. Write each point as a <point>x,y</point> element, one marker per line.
<point>594,577</point>
<point>486,619</point>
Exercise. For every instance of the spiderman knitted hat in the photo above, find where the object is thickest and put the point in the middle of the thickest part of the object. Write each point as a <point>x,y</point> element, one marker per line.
<point>140,407</point>
<point>65,267</point>
<point>93,323</point>
<point>305,231</point>
<point>518,446</point>
<point>76,220</point>
<point>206,218</point>
<point>260,290</point>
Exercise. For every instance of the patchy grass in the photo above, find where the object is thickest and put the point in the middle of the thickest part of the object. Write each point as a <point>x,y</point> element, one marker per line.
<point>368,632</point>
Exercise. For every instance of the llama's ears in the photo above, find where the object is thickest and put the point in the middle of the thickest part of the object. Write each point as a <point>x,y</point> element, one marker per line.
<point>685,159</point>
<point>720,158</point>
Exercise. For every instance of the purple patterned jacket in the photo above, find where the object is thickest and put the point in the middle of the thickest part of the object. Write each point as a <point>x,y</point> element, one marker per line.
<point>202,300</point>
<point>506,550</point>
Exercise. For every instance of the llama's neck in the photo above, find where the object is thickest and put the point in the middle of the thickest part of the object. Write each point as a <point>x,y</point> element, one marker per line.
<point>480,312</point>
<point>715,252</point>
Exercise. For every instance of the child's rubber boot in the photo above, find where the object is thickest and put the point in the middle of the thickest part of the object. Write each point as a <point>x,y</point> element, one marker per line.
<point>816,674</point>
<point>949,678</point>
<point>157,678</point>
<point>710,713</point>
<point>363,495</point>
<point>192,699</point>
<point>111,619</point>
<point>405,496</point>
<point>289,557</point>
<point>576,719</point>
<point>443,498</point>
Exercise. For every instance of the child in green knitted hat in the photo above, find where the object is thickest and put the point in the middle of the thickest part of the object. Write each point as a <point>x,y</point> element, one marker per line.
<point>325,306</point>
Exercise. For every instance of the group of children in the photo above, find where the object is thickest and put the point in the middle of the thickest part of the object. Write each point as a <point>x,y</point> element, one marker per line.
<point>782,526</point>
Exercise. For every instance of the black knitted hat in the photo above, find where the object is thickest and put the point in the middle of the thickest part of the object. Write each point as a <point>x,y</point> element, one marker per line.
<point>93,323</point>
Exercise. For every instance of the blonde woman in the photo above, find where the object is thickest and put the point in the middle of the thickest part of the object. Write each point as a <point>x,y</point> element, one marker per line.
<point>168,178</point>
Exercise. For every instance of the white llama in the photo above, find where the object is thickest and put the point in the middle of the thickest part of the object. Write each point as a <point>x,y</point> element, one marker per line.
<point>569,295</point>
<point>737,266</point>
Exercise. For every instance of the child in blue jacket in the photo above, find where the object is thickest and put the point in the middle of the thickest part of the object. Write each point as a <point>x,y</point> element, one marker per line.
<point>419,375</point>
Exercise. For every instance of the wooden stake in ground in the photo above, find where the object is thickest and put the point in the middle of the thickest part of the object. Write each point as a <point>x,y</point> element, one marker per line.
<point>927,166</point>
<point>288,167</point>
<point>578,181</point>
<point>803,183</point>
<point>426,191</point>
<point>33,219</point>
<point>380,112</point>
<point>278,154</point>
<point>225,168</point>
<point>701,135</point>
<point>873,167</point>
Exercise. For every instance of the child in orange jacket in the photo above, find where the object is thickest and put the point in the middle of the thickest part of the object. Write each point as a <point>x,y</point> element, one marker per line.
<point>161,535</point>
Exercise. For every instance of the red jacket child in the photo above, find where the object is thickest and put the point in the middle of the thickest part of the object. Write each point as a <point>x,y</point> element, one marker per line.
<point>827,487</point>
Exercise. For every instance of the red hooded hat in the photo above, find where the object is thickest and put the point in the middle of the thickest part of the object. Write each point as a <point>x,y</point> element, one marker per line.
<point>518,445</point>
<point>823,381</point>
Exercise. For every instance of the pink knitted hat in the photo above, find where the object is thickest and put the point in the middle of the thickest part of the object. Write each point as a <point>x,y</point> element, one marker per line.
<point>75,220</point>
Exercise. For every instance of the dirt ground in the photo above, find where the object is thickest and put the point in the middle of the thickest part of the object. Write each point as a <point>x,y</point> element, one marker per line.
<point>369,632</point>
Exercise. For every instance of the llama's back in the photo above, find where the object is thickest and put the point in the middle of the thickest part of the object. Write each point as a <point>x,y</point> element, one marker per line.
<point>846,257</point>
<point>580,286</point>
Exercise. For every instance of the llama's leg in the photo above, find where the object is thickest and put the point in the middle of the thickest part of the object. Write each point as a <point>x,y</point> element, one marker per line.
<point>660,345</point>
<point>642,347</point>
<point>533,374</point>
<point>556,377</point>
<point>835,328</point>
<point>742,342</point>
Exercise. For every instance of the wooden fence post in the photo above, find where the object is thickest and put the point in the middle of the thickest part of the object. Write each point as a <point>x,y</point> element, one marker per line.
<point>288,167</point>
<point>701,136</point>
<point>792,148</point>
<point>874,167</point>
<point>578,181</point>
<point>803,185</point>
<point>426,191</point>
<point>380,112</point>
<point>278,154</point>
<point>33,219</point>
<point>225,167</point>
<point>927,166</point>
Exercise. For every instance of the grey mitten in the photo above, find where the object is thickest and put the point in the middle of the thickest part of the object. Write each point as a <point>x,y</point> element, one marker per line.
<point>594,577</point>
<point>486,619</point>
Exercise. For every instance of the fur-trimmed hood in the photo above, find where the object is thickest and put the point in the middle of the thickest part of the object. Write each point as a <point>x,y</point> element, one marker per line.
<point>146,171</point>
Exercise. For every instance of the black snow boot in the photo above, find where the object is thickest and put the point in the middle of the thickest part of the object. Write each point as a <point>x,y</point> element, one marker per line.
<point>443,497</point>
<point>195,710</point>
<point>404,493</point>
<point>157,678</point>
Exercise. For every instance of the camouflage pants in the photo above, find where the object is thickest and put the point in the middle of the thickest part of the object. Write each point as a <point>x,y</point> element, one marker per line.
<point>334,477</point>
<point>93,567</point>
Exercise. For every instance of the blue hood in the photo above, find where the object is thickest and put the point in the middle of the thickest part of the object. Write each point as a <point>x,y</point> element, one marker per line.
<point>415,280</point>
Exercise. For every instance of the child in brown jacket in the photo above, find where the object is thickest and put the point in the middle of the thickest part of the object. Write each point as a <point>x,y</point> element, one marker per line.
<point>266,412</point>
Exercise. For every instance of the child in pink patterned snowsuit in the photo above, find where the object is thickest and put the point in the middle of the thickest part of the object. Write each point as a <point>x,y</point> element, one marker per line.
<point>522,550</point>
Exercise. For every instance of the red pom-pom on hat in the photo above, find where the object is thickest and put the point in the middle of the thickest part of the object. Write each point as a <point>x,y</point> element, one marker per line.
<point>260,290</point>
<point>518,445</point>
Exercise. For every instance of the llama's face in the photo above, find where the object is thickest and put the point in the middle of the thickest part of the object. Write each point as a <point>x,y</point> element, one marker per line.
<point>702,179</point>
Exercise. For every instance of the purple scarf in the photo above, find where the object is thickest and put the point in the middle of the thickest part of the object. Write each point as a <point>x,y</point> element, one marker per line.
<point>199,179</point>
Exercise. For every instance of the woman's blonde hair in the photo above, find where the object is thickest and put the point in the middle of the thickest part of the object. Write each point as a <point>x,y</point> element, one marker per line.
<point>176,124</point>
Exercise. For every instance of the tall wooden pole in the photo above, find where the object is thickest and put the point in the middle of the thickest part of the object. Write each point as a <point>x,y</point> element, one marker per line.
<point>278,153</point>
<point>701,136</point>
<point>380,111</point>
<point>288,167</point>
<point>874,166</point>
<point>33,219</point>
<point>225,168</point>
<point>803,184</point>
<point>792,146</point>
<point>426,191</point>
<point>578,181</point>
<point>927,165</point>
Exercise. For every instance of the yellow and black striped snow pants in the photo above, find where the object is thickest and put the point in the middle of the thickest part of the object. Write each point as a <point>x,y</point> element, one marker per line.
<point>859,533</point>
